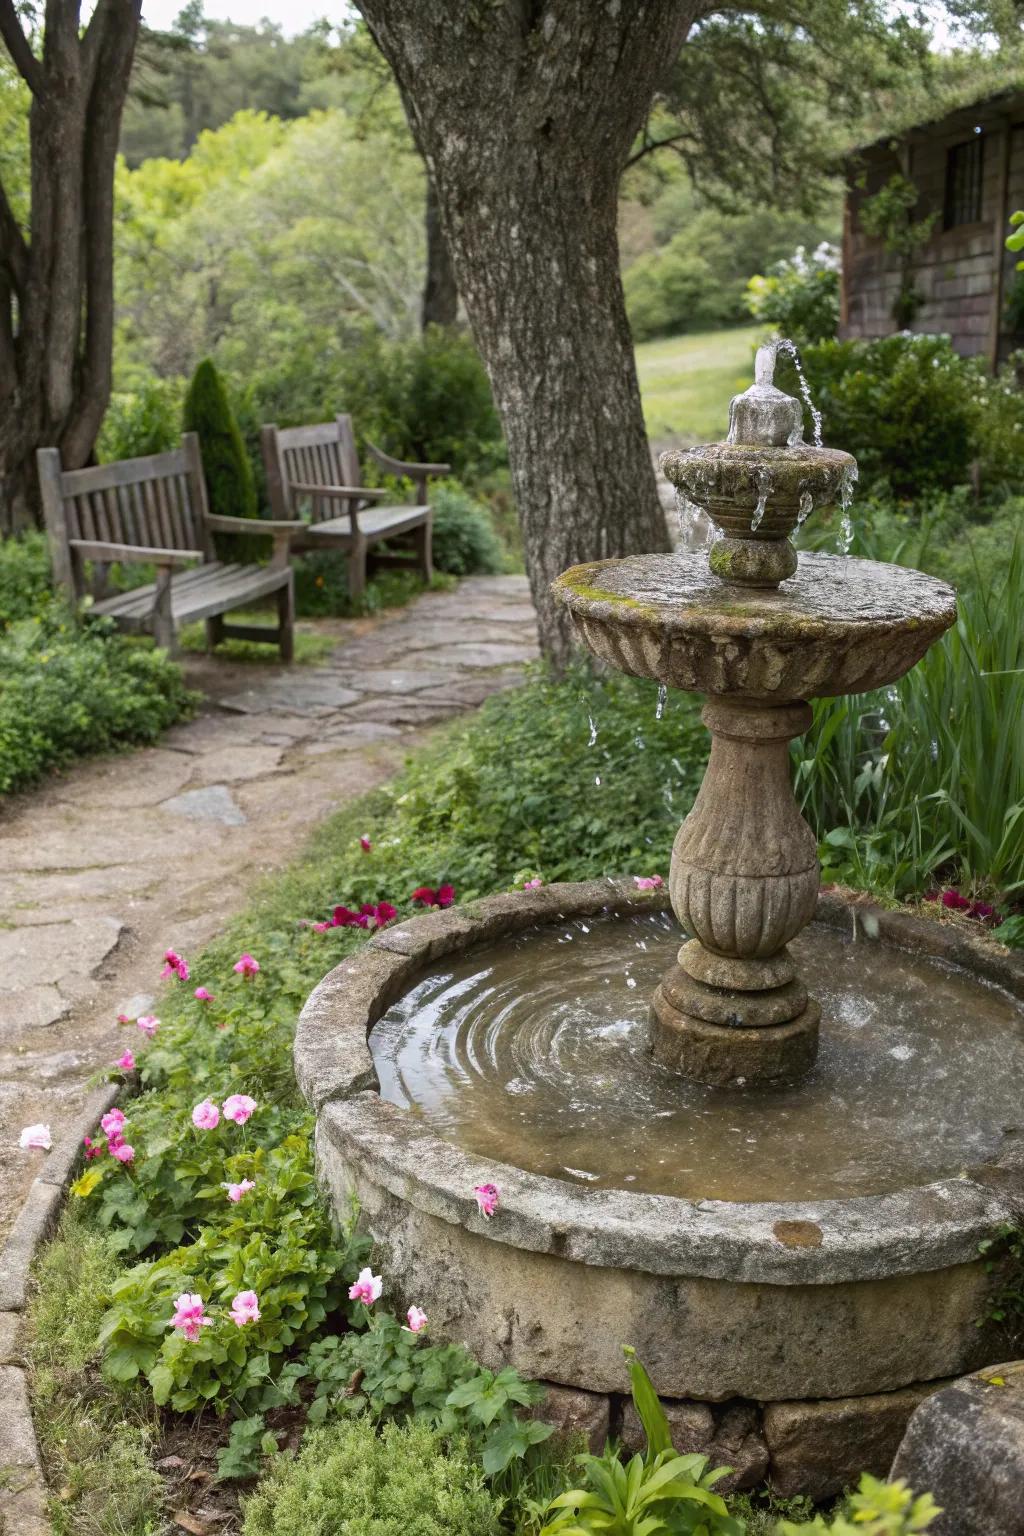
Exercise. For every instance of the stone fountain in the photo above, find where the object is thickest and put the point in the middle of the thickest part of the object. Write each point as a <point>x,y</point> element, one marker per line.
<point>789,1239</point>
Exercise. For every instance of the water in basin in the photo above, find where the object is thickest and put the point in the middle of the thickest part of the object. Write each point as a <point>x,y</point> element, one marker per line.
<point>533,1052</point>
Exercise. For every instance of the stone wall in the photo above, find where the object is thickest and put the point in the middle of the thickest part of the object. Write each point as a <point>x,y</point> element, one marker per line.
<point>964,272</point>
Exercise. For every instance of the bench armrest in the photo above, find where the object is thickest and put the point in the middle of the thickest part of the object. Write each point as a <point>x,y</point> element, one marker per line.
<point>268,527</point>
<point>133,554</point>
<point>337,492</point>
<point>408,470</point>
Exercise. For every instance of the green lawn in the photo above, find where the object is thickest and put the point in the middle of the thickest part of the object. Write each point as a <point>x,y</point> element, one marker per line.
<point>687,381</point>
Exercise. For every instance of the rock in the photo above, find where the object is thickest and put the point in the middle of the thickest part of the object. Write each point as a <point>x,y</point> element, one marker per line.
<point>965,1446</point>
<point>729,1435</point>
<point>820,1448</point>
<point>212,803</point>
<point>10,1332</point>
<point>574,1412</point>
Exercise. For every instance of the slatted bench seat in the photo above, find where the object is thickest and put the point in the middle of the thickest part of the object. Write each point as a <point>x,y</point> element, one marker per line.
<point>154,511</point>
<point>315,470</point>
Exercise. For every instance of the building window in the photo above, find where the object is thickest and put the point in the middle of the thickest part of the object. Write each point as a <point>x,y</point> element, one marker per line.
<point>963,183</point>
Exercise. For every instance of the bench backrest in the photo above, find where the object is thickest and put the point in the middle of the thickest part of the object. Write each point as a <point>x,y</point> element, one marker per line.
<point>156,502</point>
<point>321,455</point>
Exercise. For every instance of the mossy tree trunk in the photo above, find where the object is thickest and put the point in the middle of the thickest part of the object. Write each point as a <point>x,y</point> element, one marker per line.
<point>525,111</point>
<point>57,282</point>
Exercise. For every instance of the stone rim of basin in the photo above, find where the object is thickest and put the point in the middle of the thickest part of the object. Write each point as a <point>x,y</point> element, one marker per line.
<point>819,1242</point>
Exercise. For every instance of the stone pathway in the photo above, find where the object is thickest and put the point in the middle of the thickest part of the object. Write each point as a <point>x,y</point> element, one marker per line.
<point>107,865</point>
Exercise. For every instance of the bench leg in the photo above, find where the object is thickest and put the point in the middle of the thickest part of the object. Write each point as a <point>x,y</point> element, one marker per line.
<point>286,619</point>
<point>356,569</point>
<point>214,631</point>
<point>423,540</point>
<point>163,621</point>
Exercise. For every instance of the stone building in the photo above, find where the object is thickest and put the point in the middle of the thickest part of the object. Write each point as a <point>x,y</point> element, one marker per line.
<point>968,169</point>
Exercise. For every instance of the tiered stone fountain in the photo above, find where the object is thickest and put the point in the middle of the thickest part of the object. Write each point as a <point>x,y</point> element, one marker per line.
<point>789,1240</point>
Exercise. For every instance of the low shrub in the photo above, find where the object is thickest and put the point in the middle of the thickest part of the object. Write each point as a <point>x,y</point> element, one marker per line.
<point>68,689</point>
<point>427,400</point>
<point>25,589</point>
<point>349,1481</point>
<point>230,485</point>
<point>143,421</point>
<point>876,1509</point>
<point>465,543</point>
<point>799,297</point>
<point>915,413</point>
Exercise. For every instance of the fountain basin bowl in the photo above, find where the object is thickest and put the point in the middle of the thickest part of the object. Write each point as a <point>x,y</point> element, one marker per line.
<point>838,625</point>
<point>768,1300</point>
<point>728,481</point>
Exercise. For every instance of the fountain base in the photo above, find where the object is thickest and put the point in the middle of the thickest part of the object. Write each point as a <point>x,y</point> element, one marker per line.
<point>747,1047</point>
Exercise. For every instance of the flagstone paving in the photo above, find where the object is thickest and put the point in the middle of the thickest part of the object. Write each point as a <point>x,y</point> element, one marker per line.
<point>104,867</point>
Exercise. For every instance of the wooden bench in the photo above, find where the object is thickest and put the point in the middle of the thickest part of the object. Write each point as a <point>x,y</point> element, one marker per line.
<point>154,511</point>
<point>315,470</point>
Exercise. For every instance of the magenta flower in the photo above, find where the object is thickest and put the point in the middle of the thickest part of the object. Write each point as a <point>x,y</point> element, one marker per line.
<point>384,913</point>
<point>123,1152</point>
<point>237,1191</point>
<point>487,1197</point>
<point>321,927</point>
<point>113,1122</point>
<point>982,910</point>
<point>202,996</point>
<point>189,1317</point>
<point>148,1023</point>
<point>417,1319</point>
<point>238,1107</point>
<point>648,882</point>
<point>123,1018</point>
<point>245,1309</point>
<point>954,901</point>
<point>126,1061</point>
<point>531,885</point>
<point>174,965</point>
<point>246,966</point>
<point>365,844</point>
<point>91,1149</point>
<point>206,1116</point>
<point>35,1138</point>
<point>366,1288</point>
<point>428,897</point>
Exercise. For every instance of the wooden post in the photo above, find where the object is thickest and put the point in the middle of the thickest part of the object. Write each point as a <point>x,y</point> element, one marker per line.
<point>1000,231</point>
<point>279,507</point>
<point>61,561</point>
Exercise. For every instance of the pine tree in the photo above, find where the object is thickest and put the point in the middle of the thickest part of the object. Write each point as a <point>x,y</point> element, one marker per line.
<point>230,486</point>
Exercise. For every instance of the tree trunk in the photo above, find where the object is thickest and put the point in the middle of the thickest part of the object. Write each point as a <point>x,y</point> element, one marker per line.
<point>440,293</point>
<point>525,112</point>
<point>57,289</point>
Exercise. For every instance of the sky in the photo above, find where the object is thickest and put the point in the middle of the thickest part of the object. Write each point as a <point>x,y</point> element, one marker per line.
<point>291,15</point>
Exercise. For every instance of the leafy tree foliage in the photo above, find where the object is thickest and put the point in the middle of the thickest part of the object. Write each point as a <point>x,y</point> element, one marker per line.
<point>229,479</point>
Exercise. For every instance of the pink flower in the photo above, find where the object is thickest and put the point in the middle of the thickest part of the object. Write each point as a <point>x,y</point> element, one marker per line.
<point>442,897</point>
<point>189,1317</point>
<point>148,1023</point>
<point>238,1107</point>
<point>366,1288</point>
<point>123,1018</point>
<point>954,901</point>
<point>91,1149</point>
<point>206,1116</point>
<point>648,882</point>
<point>245,1309</point>
<point>246,966</point>
<point>365,844</point>
<point>236,1191</point>
<point>531,885</point>
<point>487,1197</point>
<point>126,1061</point>
<point>35,1138</point>
<point>202,996</point>
<point>322,927</point>
<point>123,1152</point>
<point>417,1320</point>
<point>383,914</point>
<point>982,910</point>
<point>174,965</point>
<point>113,1122</point>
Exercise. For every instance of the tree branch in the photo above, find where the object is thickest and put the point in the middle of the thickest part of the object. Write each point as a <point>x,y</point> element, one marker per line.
<point>25,61</point>
<point>13,249</point>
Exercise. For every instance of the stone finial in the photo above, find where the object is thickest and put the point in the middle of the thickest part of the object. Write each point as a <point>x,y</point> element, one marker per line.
<point>763,416</point>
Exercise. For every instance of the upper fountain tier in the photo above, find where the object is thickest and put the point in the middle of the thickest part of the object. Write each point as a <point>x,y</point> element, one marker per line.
<point>749,620</point>
<point>762,482</point>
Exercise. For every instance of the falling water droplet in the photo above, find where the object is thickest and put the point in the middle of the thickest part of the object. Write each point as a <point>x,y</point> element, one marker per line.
<point>597,780</point>
<point>660,707</point>
<point>806,508</point>
<point>593,730</point>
